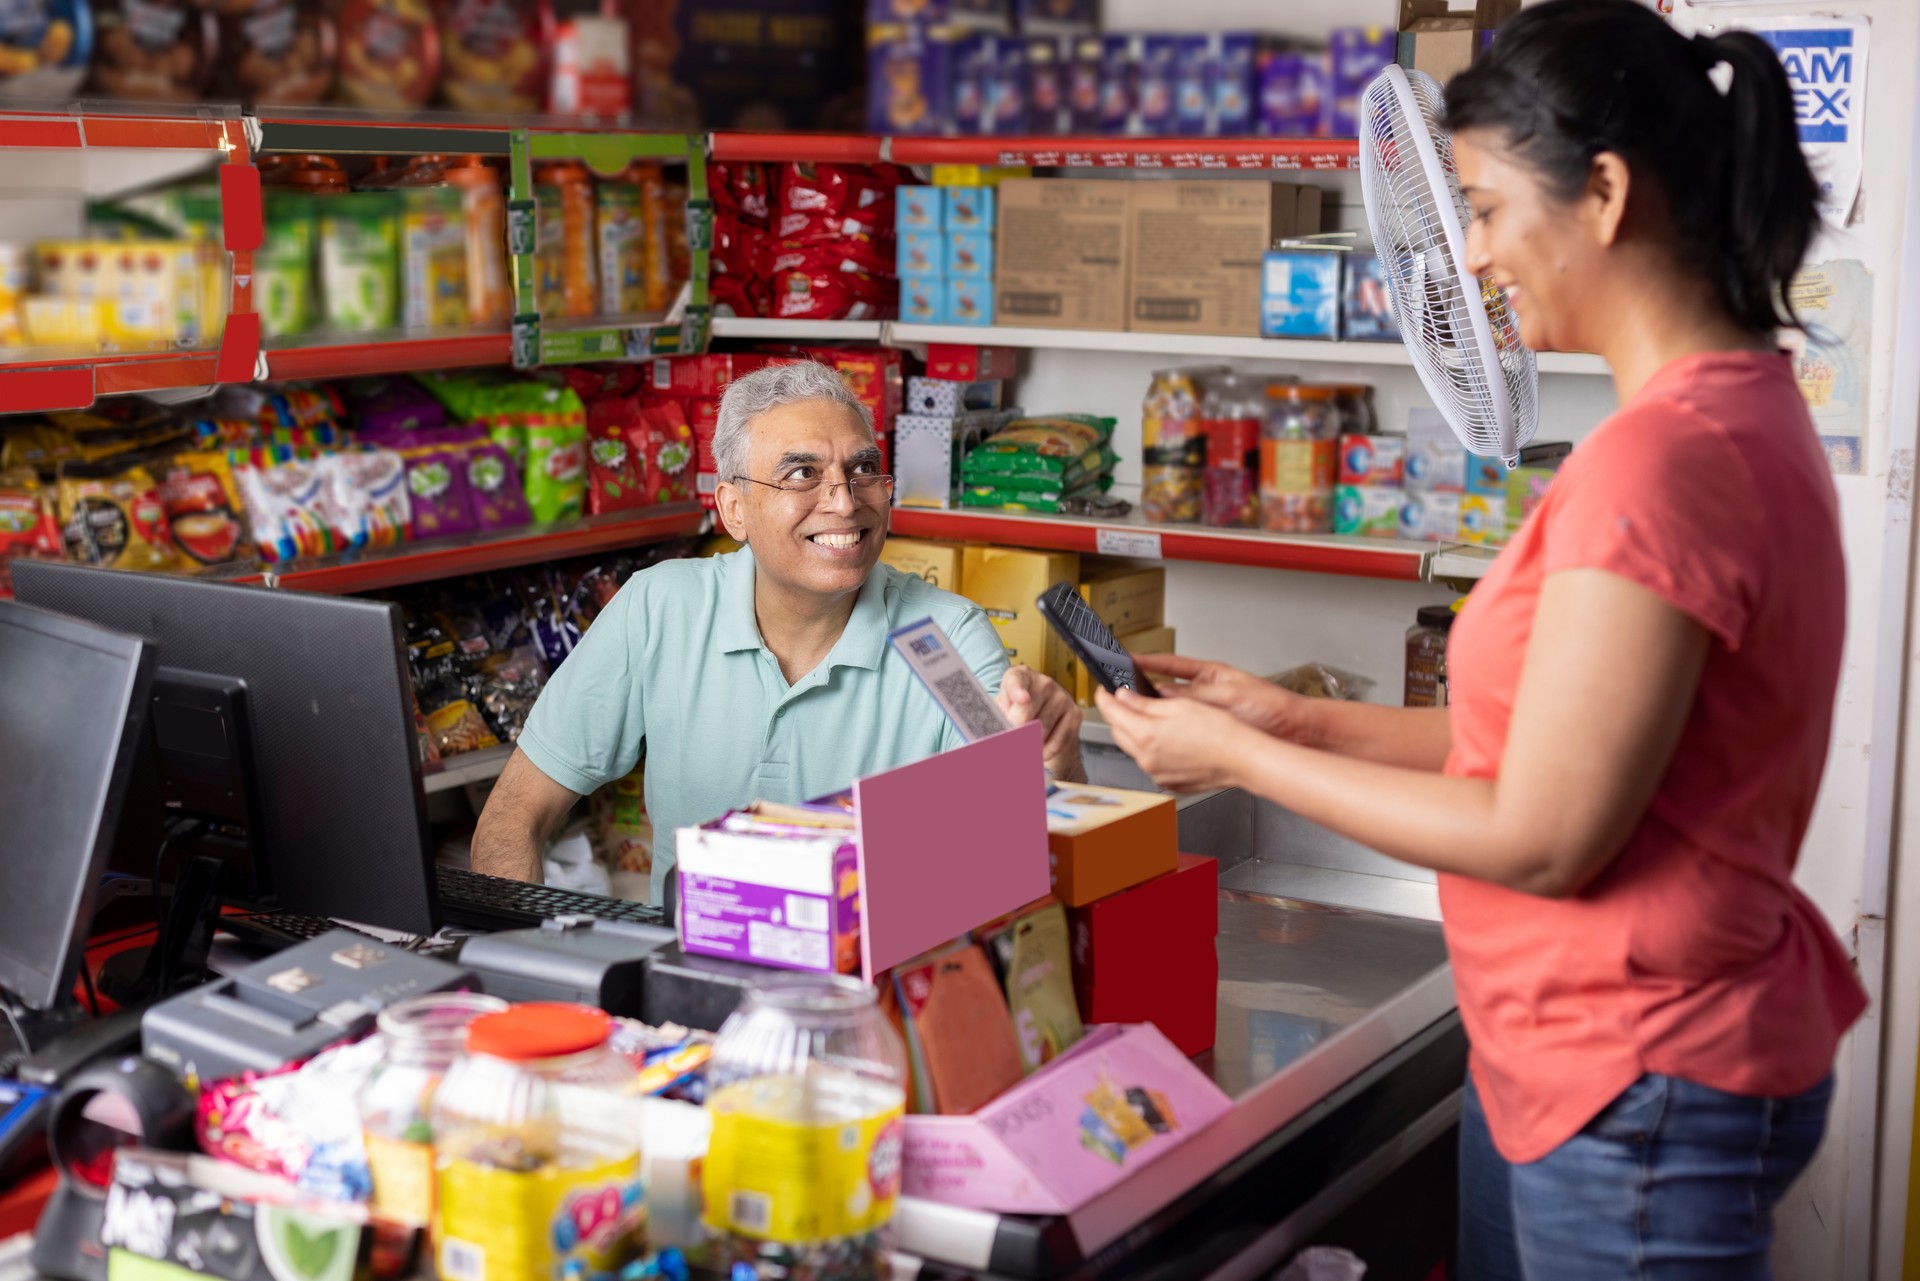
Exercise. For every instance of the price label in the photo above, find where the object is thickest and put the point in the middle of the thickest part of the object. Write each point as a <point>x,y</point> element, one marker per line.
<point>1139,543</point>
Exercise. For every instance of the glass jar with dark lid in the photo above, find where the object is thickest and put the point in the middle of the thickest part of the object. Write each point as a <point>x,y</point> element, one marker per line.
<point>1426,683</point>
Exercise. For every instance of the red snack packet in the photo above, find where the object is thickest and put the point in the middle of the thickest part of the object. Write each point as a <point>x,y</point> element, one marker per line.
<point>807,187</point>
<point>743,188</point>
<point>851,254</point>
<point>595,382</point>
<point>663,441</point>
<point>614,478</point>
<point>736,247</point>
<point>737,296</point>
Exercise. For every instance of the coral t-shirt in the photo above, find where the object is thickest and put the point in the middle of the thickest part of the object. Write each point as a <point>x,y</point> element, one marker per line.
<point>1692,954</point>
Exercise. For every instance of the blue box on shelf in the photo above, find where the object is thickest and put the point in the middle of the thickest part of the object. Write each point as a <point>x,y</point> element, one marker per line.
<point>918,255</point>
<point>1155,85</point>
<point>1366,311</point>
<point>923,300</point>
<point>1196,59</point>
<point>970,301</point>
<point>1300,294</point>
<point>1355,55</point>
<point>970,255</point>
<point>920,209</point>
<point>968,208</point>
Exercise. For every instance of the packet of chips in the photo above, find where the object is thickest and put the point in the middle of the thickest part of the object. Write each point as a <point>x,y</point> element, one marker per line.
<point>438,491</point>
<point>663,445</point>
<point>27,524</point>
<point>115,519</point>
<point>556,471</point>
<point>364,498</point>
<point>284,510</point>
<point>493,482</point>
<point>614,477</point>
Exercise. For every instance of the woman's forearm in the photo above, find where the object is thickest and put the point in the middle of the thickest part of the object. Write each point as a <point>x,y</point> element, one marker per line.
<point>1406,737</point>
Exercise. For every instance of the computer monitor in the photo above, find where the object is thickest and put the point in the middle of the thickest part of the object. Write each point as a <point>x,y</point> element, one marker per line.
<point>327,709</point>
<point>73,698</point>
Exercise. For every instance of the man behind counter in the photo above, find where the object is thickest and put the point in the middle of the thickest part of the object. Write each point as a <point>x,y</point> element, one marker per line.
<point>764,674</point>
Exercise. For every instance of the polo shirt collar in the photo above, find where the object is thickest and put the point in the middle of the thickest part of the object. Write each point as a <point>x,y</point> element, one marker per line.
<point>862,644</point>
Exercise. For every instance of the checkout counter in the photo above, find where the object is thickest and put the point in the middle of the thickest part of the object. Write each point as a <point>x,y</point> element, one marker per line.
<point>1340,1044</point>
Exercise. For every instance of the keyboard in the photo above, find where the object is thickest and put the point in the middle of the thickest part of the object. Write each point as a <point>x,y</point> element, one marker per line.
<point>276,930</point>
<point>472,901</point>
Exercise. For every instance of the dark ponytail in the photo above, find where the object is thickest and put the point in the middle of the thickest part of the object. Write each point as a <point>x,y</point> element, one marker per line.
<point>1570,79</point>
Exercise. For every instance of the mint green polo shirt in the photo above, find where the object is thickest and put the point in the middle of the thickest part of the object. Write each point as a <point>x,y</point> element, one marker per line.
<point>674,667</point>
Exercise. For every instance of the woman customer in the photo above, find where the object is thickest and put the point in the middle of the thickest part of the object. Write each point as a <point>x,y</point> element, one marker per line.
<point>1642,686</point>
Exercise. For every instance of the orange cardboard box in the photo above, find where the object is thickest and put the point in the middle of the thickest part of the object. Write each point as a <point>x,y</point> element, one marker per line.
<point>1106,839</point>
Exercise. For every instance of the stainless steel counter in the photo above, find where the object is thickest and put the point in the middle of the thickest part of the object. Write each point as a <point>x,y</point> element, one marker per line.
<point>1313,995</point>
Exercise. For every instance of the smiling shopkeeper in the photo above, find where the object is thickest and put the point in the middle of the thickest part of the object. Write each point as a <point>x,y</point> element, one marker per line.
<point>764,674</point>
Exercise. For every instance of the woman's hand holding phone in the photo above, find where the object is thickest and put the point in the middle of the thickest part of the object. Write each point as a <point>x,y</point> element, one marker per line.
<point>1251,700</point>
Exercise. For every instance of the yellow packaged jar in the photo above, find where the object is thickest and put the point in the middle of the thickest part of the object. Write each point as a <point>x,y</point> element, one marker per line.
<point>537,1150</point>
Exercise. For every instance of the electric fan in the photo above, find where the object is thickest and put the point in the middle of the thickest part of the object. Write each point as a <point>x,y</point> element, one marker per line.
<point>1458,327</point>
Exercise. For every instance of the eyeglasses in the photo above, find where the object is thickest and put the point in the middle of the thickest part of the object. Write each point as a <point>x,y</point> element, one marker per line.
<point>865,489</point>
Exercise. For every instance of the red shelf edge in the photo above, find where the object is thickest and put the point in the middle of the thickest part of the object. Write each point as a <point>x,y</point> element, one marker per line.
<point>838,148</point>
<point>402,568</point>
<point>1243,153</point>
<point>1393,565</point>
<point>348,360</point>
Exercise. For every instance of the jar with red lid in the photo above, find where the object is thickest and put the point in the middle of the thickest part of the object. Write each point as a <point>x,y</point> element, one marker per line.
<point>537,1148</point>
<point>1232,417</point>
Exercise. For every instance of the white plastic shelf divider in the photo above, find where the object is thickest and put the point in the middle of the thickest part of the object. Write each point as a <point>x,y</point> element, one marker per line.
<point>796,330</point>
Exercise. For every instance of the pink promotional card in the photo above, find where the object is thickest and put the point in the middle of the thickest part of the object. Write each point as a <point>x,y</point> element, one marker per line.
<point>949,843</point>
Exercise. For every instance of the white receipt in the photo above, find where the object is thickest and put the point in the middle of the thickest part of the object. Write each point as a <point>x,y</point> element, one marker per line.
<point>948,678</point>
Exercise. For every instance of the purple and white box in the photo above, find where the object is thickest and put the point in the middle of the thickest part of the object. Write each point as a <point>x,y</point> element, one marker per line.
<point>769,894</point>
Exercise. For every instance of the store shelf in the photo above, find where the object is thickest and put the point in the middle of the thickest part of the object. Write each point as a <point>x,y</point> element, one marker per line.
<point>1131,153</point>
<point>836,148</point>
<point>1454,563</point>
<point>468,767</point>
<point>1133,536</point>
<point>370,354</point>
<point>796,330</point>
<point>1333,353</point>
<point>480,553</point>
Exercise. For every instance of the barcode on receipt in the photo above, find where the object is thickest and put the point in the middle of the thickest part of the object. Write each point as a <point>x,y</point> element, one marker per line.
<point>971,707</point>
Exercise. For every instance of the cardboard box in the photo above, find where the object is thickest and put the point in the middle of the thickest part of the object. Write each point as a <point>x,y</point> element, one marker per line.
<point>1127,1095</point>
<point>938,563</point>
<point>1372,460</point>
<point>1048,61</point>
<point>912,79</point>
<point>1063,251</point>
<point>1300,294</point>
<point>1489,475</point>
<point>1060,17</point>
<point>987,15</point>
<point>1173,982</point>
<point>965,363</point>
<point>1006,581</point>
<point>1368,511</point>
<point>920,255</point>
<point>1151,640</point>
<point>1105,839</point>
<point>1436,465</point>
<point>1441,39</point>
<point>1196,251</point>
<point>1127,599</point>
<point>1366,307</point>
<point>923,299</point>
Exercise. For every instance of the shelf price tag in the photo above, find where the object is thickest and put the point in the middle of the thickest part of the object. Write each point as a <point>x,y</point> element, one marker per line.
<point>526,341</point>
<point>1143,544</point>
<point>521,222</point>
<point>699,225</point>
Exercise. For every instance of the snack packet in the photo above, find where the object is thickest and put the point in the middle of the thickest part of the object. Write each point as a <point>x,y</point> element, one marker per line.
<point>556,475</point>
<point>614,477</point>
<point>203,507</point>
<point>27,524</point>
<point>115,519</point>
<point>493,486</point>
<point>284,510</point>
<point>438,492</point>
<point>364,498</point>
<point>664,445</point>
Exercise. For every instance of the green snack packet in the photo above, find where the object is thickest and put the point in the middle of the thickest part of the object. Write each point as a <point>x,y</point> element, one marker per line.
<point>556,468</point>
<point>360,260</point>
<point>283,265</point>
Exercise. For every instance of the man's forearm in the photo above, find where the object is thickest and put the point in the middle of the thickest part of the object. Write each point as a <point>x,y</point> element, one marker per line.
<point>502,847</point>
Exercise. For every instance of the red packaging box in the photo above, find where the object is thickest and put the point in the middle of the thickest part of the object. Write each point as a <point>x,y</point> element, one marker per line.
<point>705,375</point>
<point>1173,981</point>
<point>963,362</point>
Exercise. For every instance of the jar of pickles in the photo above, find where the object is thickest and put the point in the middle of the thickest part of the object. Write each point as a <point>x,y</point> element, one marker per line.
<point>537,1149</point>
<point>1232,415</point>
<point>1298,456</point>
<point>423,1035</point>
<point>803,1167</point>
<point>1173,447</point>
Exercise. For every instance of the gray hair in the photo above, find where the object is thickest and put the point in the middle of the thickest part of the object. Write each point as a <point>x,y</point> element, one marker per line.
<point>750,396</point>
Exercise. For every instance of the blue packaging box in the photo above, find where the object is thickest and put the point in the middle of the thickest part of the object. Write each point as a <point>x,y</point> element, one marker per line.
<point>919,209</point>
<point>1355,55</point>
<point>1006,105</point>
<point>920,254</point>
<point>970,301</point>
<point>1300,294</point>
<point>1194,63</point>
<point>1057,17</point>
<point>1086,65</point>
<point>1048,61</point>
<point>970,255</point>
<point>1115,115</point>
<point>969,208</point>
<point>1155,87</point>
<point>1234,84</point>
<point>1292,94</point>
<point>1366,311</point>
<point>910,81</point>
<point>923,300</point>
<point>990,15</point>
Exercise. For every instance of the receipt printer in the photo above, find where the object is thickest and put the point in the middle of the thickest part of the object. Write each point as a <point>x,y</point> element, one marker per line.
<point>570,958</point>
<point>290,1006</point>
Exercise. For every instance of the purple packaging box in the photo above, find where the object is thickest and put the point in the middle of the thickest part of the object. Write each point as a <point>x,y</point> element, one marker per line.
<point>975,59</point>
<point>1292,90</point>
<point>1156,85</point>
<point>1233,78</point>
<point>1193,67</point>
<point>1115,114</point>
<point>786,897</point>
<point>1048,61</point>
<point>1007,114</point>
<point>1057,17</point>
<point>910,83</point>
<point>1355,55</point>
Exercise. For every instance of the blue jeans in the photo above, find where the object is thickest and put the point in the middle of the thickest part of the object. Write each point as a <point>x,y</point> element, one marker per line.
<point>1673,1181</point>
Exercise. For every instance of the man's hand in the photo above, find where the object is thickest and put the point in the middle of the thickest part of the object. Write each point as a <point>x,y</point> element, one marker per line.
<point>1026,695</point>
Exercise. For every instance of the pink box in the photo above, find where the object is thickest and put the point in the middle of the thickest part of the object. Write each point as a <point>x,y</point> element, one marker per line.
<point>1119,1100</point>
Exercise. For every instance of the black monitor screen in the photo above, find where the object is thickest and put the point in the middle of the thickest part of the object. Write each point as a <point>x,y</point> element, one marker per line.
<point>72,698</point>
<point>331,723</point>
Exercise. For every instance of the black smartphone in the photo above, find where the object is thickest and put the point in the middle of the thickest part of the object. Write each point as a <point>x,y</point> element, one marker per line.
<point>1092,641</point>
